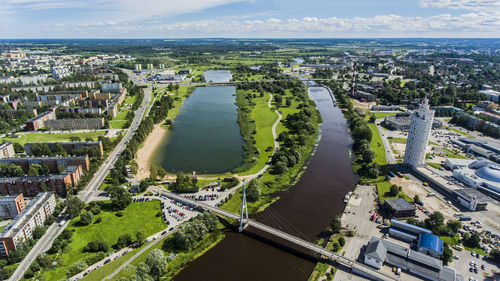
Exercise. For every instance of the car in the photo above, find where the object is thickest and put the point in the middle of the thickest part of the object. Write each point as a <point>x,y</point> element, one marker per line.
<point>471,269</point>
<point>483,267</point>
<point>473,253</point>
<point>475,270</point>
<point>456,257</point>
<point>478,256</point>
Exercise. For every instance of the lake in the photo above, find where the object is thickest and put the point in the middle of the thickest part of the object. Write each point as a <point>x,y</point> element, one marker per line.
<point>218,76</point>
<point>205,136</point>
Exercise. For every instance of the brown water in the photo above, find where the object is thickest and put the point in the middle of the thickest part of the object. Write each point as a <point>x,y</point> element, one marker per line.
<point>305,210</point>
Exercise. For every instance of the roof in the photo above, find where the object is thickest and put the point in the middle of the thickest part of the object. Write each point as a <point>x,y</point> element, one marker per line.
<point>407,226</point>
<point>399,204</point>
<point>376,250</point>
<point>430,241</point>
<point>470,193</point>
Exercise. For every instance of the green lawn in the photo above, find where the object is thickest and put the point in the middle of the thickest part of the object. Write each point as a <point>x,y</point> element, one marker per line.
<point>46,137</point>
<point>264,118</point>
<point>2,227</point>
<point>377,146</point>
<point>120,119</point>
<point>452,241</point>
<point>379,115</point>
<point>434,165</point>
<point>137,216</point>
<point>460,132</point>
<point>383,188</point>
<point>130,99</point>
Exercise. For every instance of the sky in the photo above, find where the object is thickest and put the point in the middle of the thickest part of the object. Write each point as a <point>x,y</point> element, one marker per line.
<point>249,18</point>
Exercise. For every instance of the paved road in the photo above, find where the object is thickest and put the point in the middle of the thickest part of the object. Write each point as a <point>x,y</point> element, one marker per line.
<point>87,194</point>
<point>389,156</point>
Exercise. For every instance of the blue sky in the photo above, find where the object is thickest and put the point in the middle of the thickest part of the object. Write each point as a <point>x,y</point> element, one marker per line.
<point>248,18</point>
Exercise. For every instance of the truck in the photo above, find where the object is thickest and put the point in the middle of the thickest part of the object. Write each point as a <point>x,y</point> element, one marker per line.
<point>431,194</point>
<point>465,218</point>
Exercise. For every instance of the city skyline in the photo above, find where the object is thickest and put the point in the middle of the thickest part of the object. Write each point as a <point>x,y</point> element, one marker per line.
<point>249,19</point>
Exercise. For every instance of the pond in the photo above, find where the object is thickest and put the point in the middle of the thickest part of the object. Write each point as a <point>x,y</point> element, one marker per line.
<point>218,76</point>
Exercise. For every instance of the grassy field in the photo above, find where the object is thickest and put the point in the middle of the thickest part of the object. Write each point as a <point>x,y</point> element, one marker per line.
<point>383,188</point>
<point>377,146</point>
<point>120,119</point>
<point>264,118</point>
<point>2,227</point>
<point>137,216</point>
<point>379,115</point>
<point>46,137</point>
<point>434,165</point>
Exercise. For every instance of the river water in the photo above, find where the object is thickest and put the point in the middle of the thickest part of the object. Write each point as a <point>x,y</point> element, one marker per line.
<point>305,210</point>
<point>205,137</point>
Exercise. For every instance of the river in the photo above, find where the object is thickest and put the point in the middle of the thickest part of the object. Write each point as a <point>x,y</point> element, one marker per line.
<point>305,210</point>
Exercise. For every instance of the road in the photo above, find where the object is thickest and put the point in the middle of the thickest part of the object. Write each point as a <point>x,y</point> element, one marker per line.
<point>389,156</point>
<point>88,193</point>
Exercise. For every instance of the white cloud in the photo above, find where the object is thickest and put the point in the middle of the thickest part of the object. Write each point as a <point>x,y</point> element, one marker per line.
<point>471,5</point>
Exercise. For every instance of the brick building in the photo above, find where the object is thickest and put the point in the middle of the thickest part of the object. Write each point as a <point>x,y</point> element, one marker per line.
<point>52,162</point>
<point>75,124</point>
<point>37,122</point>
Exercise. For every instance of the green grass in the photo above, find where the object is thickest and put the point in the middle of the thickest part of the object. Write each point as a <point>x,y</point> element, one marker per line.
<point>264,118</point>
<point>137,216</point>
<point>130,99</point>
<point>120,119</point>
<point>377,146</point>
<point>434,165</point>
<point>46,137</point>
<point>2,227</point>
<point>379,115</point>
<point>452,241</point>
<point>322,266</point>
<point>477,250</point>
<point>460,132</point>
<point>383,188</point>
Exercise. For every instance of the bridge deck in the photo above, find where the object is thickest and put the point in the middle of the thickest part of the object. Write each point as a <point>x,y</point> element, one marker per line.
<point>297,241</point>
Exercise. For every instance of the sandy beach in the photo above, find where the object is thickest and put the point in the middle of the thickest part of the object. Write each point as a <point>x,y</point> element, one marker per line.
<point>145,153</point>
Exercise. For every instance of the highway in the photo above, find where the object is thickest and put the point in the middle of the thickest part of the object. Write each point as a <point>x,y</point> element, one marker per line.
<point>285,236</point>
<point>88,193</point>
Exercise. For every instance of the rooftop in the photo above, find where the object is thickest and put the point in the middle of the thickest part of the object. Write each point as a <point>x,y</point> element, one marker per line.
<point>399,204</point>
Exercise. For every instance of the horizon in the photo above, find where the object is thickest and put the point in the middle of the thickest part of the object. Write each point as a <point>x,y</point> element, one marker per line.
<point>124,19</point>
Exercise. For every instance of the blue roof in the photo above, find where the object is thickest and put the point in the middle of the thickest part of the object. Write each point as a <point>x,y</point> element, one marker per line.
<point>431,242</point>
<point>408,227</point>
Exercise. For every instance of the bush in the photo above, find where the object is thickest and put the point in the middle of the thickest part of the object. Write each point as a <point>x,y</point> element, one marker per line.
<point>76,268</point>
<point>85,218</point>
<point>336,247</point>
<point>119,214</point>
<point>96,246</point>
<point>95,258</point>
<point>341,241</point>
<point>350,233</point>
<point>98,220</point>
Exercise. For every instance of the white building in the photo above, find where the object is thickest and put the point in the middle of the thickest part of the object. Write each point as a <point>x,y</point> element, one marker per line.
<point>11,206</point>
<point>21,228</point>
<point>419,134</point>
<point>7,150</point>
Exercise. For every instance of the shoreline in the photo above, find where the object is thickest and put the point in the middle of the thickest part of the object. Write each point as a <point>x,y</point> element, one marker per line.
<point>145,153</point>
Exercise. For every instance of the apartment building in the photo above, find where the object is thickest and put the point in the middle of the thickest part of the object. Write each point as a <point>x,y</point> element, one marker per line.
<point>75,124</point>
<point>21,228</point>
<point>7,150</point>
<point>52,162</point>
<point>38,122</point>
<point>11,206</point>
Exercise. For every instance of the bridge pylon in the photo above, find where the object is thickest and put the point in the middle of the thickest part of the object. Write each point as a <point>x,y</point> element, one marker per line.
<point>244,210</point>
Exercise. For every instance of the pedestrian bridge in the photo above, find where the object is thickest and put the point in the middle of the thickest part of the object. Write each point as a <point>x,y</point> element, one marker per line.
<point>357,267</point>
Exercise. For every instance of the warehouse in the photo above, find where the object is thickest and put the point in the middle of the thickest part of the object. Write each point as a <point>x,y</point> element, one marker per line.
<point>399,208</point>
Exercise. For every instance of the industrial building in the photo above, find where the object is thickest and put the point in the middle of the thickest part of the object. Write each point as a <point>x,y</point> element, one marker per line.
<point>21,228</point>
<point>476,173</point>
<point>399,208</point>
<point>401,122</point>
<point>11,206</point>
<point>380,251</point>
<point>7,150</point>
<point>405,231</point>
<point>418,136</point>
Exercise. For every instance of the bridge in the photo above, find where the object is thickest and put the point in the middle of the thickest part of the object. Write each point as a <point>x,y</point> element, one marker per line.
<point>357,267</point>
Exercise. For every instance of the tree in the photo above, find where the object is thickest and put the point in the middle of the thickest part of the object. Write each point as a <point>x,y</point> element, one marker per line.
<point>341,241</point>
<point>495,255</point>
<point>120,198</point>
<point>394,190</point>
<point>140,237</point>
<point>76,268</point>
<point>38,232</point>
<point>434,220</point>
<point>447,255</point>
<point>85,218</point>
<point>123,241</point>
<point>368,156</point>
<point>142,270</point>
<point>336,247</point>
<point>143,186</point>
<point>472,241</point>
<point>336,224</point>
<point>253,190</point>
<point>74,206</point>
<point>416,198</point>
<point>33,171</point>
<point>454,225</point>
<point>18,148</point>
<point>157,264</point>
<point>161,172</point>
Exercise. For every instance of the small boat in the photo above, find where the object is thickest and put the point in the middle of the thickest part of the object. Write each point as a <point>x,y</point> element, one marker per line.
<point>346,198</point>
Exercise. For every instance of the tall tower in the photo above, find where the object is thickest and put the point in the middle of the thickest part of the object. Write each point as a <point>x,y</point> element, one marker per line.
<point>419,134</point>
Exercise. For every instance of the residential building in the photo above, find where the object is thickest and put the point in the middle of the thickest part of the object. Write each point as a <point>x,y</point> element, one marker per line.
<point>12,113</point>
<point>11,206</point>
<point>52,162</point>
<point>75,124</point>
<point>7,150</point>
<point>21,229</point>
<point>14,103</point>
<point>69,147</point>
<point>111,87</point>
<point>59,72</point>
<point>81,110</point>
<point>31,186</point>
<point>38,122</point>
<point>418,136</point>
